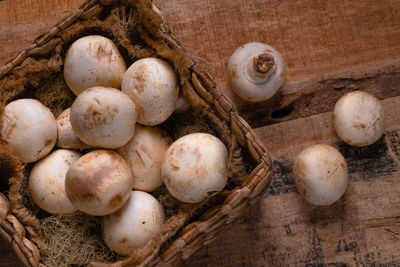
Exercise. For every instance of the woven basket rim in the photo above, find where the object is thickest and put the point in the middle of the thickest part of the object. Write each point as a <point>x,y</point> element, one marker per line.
<point>196,234</point>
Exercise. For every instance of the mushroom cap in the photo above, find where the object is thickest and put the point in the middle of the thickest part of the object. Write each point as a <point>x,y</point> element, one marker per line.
<point>195,165</point>
<point>103,117</point>
<point>93,61</point>
<point>144,154</point>
<point>29,128</point>
<point>47,182</point>
<point>321,175</point>
<point>66,136</point>
<point>152,85</point>
<point>99,183</point>
<point>245,82</point>
<point>134,224</point>
<point>359,118</point>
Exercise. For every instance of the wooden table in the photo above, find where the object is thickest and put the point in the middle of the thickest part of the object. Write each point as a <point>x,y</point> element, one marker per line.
<point>331,47</point>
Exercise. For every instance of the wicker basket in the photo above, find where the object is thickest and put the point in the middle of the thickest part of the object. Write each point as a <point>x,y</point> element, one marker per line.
<point>183,235</point>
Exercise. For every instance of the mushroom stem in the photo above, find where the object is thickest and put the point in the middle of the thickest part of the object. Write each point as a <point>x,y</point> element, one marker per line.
<point>263,63</point>
<point>260,68</point>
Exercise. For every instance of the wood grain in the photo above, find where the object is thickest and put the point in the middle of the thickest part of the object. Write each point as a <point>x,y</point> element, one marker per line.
<point>322,42</point>
<point>21,21</point>
<point>331,47</point>
<point>318,39</point>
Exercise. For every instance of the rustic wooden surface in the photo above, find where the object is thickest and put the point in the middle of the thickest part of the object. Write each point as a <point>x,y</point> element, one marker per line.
<point>330,47</point>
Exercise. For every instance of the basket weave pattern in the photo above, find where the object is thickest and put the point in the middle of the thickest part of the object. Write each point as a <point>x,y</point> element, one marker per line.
<point>201,91</point>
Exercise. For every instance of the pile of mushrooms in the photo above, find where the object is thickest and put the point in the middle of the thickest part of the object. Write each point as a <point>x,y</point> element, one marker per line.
<point>123,156</point>
<point>103,154</point>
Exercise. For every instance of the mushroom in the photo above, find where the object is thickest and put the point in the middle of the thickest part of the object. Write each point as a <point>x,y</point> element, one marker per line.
<point>194,166</point>
<point>99,183</point>
<point>144,154</point>
<point>359,118</point>
<point>29,128</point>
<point>66,136</point>
<point>93,61</point>
<point>103,117</point>
<point>320,174</point>
<point>134,224</point>
<point>47,182</point>
<point>4,208</point>
<point>256,71</point>
<point>152,85</point>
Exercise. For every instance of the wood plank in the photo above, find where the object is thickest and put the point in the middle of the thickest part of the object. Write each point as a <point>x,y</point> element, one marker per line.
<point>361,229</point>
<point>319,39</point>
<point>21,21</point>
<point>327,45</point>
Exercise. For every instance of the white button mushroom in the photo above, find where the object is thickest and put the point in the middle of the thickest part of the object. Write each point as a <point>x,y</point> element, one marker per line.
<point>47,182</point>
<point>93,61</point>
<point>359,118</point>
<point>320,174</point>
<point>29,128</point>
<point>134,224</point>
<point>256,71</point>
<point>99,183</point>
<point>195,165</point>
<point>144,155</point>
<point>103,117</point>
<point>66,136</point>
<point>152,84</point>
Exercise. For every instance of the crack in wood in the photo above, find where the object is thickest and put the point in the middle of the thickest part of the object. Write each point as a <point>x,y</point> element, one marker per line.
<point>394,234</point>
<point>318,97</point>
<point>381,222</point>
<point>393,139</point>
